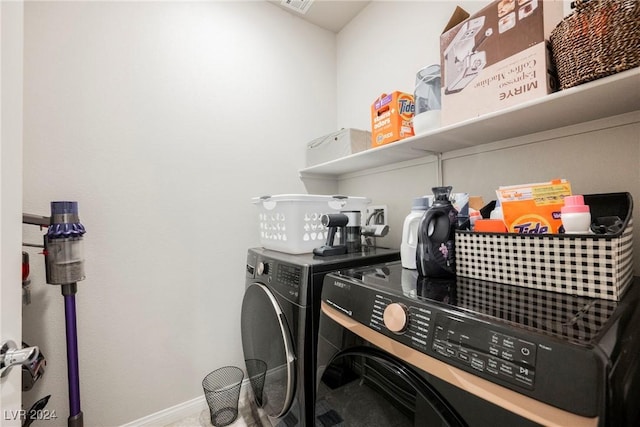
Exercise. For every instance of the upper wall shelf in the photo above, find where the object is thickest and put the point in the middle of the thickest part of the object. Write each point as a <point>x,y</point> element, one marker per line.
<point>606,97</point>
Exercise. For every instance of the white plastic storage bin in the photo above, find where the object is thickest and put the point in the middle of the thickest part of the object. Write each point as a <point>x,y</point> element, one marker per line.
<point>291,222</point>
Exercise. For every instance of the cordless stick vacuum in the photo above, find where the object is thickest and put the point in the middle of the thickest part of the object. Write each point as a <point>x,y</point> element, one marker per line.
<point>64,263</point>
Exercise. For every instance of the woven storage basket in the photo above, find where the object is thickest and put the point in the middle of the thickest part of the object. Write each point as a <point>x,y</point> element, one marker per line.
<point>600,38</point>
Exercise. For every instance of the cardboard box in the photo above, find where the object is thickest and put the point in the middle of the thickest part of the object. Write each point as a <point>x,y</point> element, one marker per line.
<point>336,145</point>
<point>391,118</point>
<point>534,208</point>
<point>497,57</point>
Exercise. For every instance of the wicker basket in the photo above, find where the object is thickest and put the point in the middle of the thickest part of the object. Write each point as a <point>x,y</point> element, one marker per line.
<point>600,38</point>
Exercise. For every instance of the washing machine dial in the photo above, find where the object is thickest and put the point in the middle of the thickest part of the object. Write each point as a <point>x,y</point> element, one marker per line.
<point>396,317</point>
<point>262,268</point>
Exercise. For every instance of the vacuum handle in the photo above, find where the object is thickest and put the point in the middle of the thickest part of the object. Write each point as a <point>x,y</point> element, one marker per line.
<point>11,356</point>
<point>331,234</point>
<point>333,221</point>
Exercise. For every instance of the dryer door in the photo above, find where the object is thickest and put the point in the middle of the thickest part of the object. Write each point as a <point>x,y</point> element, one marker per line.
<point>268,350</point>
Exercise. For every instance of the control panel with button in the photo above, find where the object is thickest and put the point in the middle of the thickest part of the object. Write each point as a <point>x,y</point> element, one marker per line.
<point>497,354</point>
<point>529,357</point>
<point>460,341</point>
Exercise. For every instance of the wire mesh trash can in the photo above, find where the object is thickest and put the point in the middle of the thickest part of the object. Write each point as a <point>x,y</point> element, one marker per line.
<point>222,391</point>
<point>256,371</point>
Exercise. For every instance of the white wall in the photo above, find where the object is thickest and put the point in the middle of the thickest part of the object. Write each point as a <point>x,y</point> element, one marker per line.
<point>404,37</point>
<point>381,50</point>
<point>11,28</point>
<point>162,120</point>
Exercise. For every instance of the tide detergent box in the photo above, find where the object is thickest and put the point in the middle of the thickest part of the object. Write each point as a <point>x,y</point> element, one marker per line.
<point>534,208</point>
<point>497,58</point>
<point>391,118</point>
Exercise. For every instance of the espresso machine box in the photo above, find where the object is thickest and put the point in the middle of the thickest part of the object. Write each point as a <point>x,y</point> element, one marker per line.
<point>497,57</point>
<point>336,145</point>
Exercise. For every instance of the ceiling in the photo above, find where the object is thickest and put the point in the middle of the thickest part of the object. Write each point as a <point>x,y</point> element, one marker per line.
<point>331,15</point>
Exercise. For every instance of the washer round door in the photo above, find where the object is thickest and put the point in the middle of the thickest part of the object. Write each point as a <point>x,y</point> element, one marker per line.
<point>268,350</point>
<point>366,386</point>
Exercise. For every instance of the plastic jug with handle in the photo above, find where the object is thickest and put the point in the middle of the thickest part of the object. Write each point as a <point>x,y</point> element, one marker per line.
<point>410,232</point>
<point>435,254</point>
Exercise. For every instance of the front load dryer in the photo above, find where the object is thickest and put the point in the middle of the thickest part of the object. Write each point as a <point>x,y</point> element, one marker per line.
<point>279,326</point>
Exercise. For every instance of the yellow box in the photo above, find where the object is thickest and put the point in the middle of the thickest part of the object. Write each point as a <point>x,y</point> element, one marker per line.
<point>391,118</point>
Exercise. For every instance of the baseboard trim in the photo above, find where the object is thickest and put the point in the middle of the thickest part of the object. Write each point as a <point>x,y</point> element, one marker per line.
<point>180,411</point>
<point>170,415</point>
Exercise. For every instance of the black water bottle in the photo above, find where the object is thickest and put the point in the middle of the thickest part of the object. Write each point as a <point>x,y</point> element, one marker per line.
<point>435,253</point>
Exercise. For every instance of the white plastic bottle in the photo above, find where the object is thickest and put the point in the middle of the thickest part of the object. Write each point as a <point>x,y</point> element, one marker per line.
<point>575,215</point>
<point>410,232</point>
<point>496,213</point>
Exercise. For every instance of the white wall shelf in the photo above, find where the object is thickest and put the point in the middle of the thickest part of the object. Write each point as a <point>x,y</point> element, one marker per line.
<point>606,97</point>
